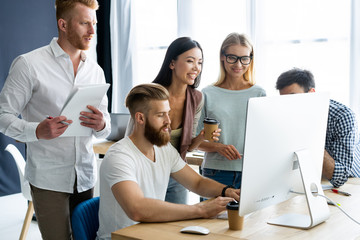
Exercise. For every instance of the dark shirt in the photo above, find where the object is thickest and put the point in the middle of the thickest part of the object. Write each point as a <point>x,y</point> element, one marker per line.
<point>342,143</point>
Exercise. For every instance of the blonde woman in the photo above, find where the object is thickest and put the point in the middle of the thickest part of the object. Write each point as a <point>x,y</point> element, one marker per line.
<point>226,101</point>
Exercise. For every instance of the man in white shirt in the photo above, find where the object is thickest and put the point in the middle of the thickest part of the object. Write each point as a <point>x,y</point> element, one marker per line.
<point>135,171</point>
<point>61,170</point>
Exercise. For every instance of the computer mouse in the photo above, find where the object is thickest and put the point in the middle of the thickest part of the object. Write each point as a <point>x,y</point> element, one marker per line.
<point>195,230</point>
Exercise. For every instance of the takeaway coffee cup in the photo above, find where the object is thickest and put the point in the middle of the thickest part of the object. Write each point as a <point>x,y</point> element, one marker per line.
<point>236,222</point>
<point>210,125</point>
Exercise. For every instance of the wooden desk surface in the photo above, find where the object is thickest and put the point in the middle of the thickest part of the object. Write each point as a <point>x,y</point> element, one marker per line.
<point>192,158</point>
<point>102,147</point>
<point>338,226</point>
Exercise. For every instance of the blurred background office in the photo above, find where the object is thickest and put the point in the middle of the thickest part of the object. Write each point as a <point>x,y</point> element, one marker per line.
<point>322,36</point>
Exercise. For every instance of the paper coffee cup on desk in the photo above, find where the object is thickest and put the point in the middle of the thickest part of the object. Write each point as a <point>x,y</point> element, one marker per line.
<point>236,222</point>
<point>210,125</point>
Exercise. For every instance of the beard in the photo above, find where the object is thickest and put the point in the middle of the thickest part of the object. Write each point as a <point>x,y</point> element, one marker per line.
<point>156,136</point>
<point>76,40</point>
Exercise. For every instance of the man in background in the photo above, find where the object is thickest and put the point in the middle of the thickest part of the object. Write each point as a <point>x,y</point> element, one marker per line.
<point>61,170</point>
<point>135,172</point>
<point>342,146</point>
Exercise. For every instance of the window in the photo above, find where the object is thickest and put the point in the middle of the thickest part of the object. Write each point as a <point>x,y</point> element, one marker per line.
<point>213,21</point>
<point>314,35</point>
<point>156,28</point>
<point>300,33</point>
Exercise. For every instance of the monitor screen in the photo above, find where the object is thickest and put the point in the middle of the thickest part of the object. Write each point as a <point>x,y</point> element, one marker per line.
<point>277,128</point>
<point>119,122</point>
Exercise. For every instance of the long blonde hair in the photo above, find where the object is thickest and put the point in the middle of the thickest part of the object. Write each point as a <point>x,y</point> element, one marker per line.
<point>236,39</point>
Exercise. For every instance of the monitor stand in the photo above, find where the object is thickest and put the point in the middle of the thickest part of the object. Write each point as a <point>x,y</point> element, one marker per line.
<point>317,206</point>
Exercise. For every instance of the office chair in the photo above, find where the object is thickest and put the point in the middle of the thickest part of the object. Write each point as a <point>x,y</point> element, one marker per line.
<point>25,187</point>
<point>84,219</point>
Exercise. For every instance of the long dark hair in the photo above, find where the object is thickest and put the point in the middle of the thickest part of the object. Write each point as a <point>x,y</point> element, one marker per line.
<point>176,48</point>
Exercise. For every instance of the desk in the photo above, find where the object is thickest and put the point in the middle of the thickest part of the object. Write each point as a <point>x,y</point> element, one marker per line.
<point>193,158</point>
<point>102,147</point>
<point>338,226</point>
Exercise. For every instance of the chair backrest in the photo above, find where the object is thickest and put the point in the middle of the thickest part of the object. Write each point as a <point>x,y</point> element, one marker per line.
<point>20,163</point>
<point>84,220</point>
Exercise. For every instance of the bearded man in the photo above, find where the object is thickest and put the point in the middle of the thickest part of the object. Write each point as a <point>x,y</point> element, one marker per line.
<point>135,171</point>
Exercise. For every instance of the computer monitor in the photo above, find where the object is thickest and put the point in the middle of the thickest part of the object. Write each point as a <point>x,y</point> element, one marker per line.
<point>284,148</point>
<point>119,122</point>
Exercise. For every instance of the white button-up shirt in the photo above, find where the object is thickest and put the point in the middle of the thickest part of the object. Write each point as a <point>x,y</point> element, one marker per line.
<point>38,85</point>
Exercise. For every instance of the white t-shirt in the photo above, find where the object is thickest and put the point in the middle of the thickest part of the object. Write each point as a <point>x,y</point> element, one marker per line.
<point>125,162</point>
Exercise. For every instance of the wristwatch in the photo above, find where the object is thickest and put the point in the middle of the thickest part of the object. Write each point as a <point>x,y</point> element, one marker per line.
<point>224,189</point>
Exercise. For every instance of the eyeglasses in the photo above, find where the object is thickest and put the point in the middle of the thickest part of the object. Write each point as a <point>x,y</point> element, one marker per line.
<point>245,60</point>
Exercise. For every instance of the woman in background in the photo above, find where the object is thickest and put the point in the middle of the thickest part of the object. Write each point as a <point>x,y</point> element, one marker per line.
<point>180,73</point>
<point>226,101</point>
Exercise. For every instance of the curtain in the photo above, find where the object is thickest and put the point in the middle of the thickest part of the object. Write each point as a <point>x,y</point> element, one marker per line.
<point>103,46</point>
<point>123,54</point>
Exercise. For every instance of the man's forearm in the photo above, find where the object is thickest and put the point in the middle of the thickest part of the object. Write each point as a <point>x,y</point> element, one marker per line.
<point>153,210</point>
<point>143,209</point>
<point>18,129</point>
<point>328,166</point>
<point>209,188</point>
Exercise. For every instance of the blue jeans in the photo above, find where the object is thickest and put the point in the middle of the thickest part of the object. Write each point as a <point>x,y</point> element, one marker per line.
<point>176,193</point>
<point>225,177</point>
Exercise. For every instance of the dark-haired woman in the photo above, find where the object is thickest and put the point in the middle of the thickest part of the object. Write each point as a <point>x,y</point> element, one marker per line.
<point>180,73</point>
